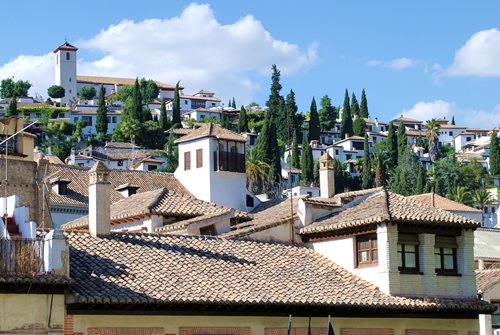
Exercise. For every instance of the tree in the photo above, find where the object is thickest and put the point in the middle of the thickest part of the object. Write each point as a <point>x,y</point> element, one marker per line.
<point>12,109</point>
<point>359,127</point>
<point>292,123</point>
<point>9,88</point>
<point>327,114</point>
<point>314,127</point>
<point>137,111</point>
<point>274,97</point>
<point>432,133</point>
<point>149,90</point>
<point>152,135</point>
<point>392,146</point>
<point>267,148</point>
<point>78,134</point>
<point>172,153</point>
<point>367,173</point>
<point>346,126</point>
<point>56,92</point>
<point>446,175</point>
<point>295,159</point>
<point>363,111</point>
<point>494,155</point>
<point>88,92</point>
<point>164,124</point>
<point>101,123</point>
<point>176,107</point>
<point>225,122</point>
<point>129,129</point>
<point>257,172</point>
<point>402,139</point>
<point>453,120</point>
<point>404,177</point>
<point>233,103</point>
<point>243,120</point>
<point>307,163</point>
<point>481,198</point>
<point>316,173</point>
<point>379,173</point>
<point>420,181</point>
<point>460,194</point>
<point>354,105</point>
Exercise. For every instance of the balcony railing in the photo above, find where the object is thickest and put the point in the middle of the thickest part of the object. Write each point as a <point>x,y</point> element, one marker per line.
<point>229,161</point>
<point>21,257</point>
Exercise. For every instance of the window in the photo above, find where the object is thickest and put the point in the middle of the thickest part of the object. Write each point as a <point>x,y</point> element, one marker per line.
<point>185,102</point>
<point>67,55</point>
<point>199,158</point>
<point>208,230</point>
<point>75,119</point>
<point>366,250</point>
<point>151,167</point>
<point>70,79</point>
<point>230,156</point>
<point>445,254</point>
<point>493,210</point>
<point>187,161</point>
<point>336,152</point>
<point>250,202</point>
<point>119,163</point>
<point>450,133</point>
<point>485,210</point>
<point>468,139</point>
<point>408,252</point>
<point>87,120</point>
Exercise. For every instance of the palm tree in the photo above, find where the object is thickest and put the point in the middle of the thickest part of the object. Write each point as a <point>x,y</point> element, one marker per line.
<point>432,134</point>
<point>460,194</point>
<point>481,198</point>
<point>129,129</point>
<point>257,171</point>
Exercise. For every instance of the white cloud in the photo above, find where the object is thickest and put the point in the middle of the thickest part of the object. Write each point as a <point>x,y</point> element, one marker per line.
<point>480,56</point>
<point>394,64</point>
<point>426,110</point>
<point>192,47</point>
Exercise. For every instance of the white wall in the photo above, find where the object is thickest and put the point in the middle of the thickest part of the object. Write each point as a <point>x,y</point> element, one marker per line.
<point>65,73</point>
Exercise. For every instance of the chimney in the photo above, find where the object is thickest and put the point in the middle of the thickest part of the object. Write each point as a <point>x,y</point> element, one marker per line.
<point>56,253</point>
<point>72,157</point>
<point>326,176</point>
<point>99,207</point>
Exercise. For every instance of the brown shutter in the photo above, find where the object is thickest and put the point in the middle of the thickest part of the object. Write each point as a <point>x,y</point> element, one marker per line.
<point>199,158</point>
<point>187,160</point>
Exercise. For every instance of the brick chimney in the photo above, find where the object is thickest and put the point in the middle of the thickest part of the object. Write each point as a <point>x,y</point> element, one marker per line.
<point>326,176</point>
<point>99,202</point>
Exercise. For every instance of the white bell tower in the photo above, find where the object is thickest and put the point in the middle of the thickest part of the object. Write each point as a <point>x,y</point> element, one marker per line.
<point>65,65</point>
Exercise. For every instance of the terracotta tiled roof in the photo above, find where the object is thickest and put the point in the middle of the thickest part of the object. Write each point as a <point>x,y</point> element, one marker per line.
<point>78,188</point>
<point>51,158</point>
<point>405,119</point>
<point>118,81</point>
<point>160,202</point>
<point>267,215</point>
<point>120,145</point>
<point>39,280</point>
<point>169,270</point>
<point>485,279</point>
<point>438,201</point>
<point>385,206</point>
<point>196,97</point>
<point>415,132</point>
<point>211,130</point>
<point>341,198</point>
<point>66,46</point>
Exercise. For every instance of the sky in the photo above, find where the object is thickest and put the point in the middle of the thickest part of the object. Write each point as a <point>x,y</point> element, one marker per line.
<point>423,59</point>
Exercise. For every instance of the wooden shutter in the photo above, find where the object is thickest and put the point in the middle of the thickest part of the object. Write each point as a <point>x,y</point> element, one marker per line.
<point>366,331</point>
<point>199,158</point>
<point>187,160</point>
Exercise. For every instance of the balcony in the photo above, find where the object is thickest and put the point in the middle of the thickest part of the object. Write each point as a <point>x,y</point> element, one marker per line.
<point>21,257</point>
<point>229,161</point>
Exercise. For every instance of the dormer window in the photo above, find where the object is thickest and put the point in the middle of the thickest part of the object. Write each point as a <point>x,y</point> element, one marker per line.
<point>60,185</point>
<point>445,255</point>
<point>127,190</point>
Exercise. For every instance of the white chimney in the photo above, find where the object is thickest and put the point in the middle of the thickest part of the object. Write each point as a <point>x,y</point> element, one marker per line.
<point>99,202</point>
<point>326,176</point>
<point>56,253</point>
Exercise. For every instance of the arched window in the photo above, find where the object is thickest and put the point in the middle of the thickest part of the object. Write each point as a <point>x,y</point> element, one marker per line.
<point>67,55</point>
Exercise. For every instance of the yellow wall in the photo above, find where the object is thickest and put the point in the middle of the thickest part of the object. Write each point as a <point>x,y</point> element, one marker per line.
<point>30,311</point>
<point>25,143</point>
<point>171,324</point>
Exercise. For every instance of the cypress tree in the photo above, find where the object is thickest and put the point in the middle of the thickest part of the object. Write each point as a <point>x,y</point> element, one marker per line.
<point>314,127</point>
<point>233,104</point>
<point>402,139</point>
<point>494,155</point>
<point>363,111</point>
<point>367,173</point>
<point>316,173</point>
<point>291,115</point>
<point>274,97</point>
<point>176,107</point>
<point>354,105</point>
<point>346,126</point>
<point>267,148</point>
<point>379,173</point>
<point>453,120</point>
<point>12,109</point>
<point>419,189</point>
<point>148,116</point>
<point>327,114</point>
<point>404,177</point>
<point>295,161</point>
<point>137,112</point>
<point>243,120</point>
<point>359,127</point>
<point>307,163</point>
<point>101,123</point>
<point>164,124</point>
<point>392,146</point>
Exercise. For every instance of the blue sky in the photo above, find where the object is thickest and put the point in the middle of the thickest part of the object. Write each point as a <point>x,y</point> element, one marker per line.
<point>425,58</point>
